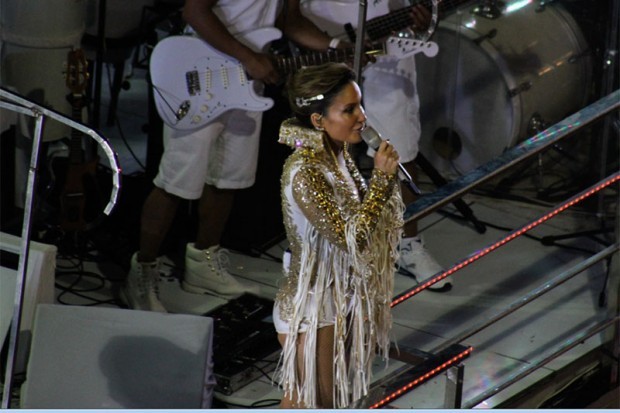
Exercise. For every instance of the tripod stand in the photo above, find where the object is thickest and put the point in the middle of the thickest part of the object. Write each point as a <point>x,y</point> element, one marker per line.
<point>439,180</point>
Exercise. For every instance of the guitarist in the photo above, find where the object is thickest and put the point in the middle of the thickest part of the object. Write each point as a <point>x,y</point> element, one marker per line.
<point>211,164</point>
<point>391,100</point>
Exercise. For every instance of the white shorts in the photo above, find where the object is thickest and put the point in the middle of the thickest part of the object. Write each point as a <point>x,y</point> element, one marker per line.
<point>327,317</point>
<point>223,154</point>
<point>392,104</point>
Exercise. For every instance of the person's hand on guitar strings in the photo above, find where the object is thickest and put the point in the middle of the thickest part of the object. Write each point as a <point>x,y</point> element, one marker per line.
<point>260,67</point>
<point>421,18</point>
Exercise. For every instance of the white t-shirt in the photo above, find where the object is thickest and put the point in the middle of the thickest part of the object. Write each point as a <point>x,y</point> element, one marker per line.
<point>243,15</point>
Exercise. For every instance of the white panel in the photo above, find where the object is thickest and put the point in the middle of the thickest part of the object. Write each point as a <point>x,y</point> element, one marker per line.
<point>102,358</point>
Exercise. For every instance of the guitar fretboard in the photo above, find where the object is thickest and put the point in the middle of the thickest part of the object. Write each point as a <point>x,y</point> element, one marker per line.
<point>382,26</point>
<point>288,65</point>
<point>76,153</point>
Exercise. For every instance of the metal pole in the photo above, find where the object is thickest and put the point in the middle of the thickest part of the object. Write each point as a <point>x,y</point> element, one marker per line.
<point>454,387</point>
<point>23,263</point>
<point>99,63</point>
<point>359,41</point>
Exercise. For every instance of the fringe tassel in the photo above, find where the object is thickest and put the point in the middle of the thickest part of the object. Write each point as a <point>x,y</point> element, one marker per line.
<point>362,282</point>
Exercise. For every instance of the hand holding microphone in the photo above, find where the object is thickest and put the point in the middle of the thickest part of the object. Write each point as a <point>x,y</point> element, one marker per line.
<point>386,158</point>
<point>374,140</point>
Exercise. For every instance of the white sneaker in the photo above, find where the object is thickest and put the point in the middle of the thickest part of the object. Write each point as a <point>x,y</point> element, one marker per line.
<point>416,261</point>
<point>141,289</point>
<point>206,272</point>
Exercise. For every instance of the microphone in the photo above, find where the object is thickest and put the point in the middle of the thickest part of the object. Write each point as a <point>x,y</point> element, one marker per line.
<point>373,139</point>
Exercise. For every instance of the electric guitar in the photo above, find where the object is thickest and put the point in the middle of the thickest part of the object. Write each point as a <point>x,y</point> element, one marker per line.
<point>194,83</point>
<point>79,184</point>
<point>335,17</point>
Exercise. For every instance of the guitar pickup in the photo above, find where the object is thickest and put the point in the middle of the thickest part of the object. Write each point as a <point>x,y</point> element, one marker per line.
<point>193,82</point>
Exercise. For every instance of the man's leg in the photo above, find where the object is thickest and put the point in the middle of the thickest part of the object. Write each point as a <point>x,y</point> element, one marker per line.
<point>214,210</point>
<point>206,264</point>
<point>141,289</point>
<point>158,212</point>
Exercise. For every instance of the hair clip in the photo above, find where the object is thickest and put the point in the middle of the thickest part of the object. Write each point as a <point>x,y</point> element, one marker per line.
<point>301,102</point>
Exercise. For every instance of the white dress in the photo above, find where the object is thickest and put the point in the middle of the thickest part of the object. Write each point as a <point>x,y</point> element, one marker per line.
<point>343,238</point>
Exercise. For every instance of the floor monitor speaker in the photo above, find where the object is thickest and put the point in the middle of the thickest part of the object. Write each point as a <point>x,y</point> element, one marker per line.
<point>106,358</point>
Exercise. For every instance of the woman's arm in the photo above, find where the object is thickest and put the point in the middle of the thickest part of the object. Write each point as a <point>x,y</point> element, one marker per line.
<point>315,196</point>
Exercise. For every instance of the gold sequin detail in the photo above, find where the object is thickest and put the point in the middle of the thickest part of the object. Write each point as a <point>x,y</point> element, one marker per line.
<point>326,199</point>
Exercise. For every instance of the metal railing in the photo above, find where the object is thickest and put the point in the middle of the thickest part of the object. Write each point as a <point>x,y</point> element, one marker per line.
<point>16,103</point>
<point>456,189</point>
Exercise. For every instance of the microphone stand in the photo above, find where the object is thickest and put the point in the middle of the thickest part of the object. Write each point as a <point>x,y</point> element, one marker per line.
<point>101,17</point>
<point>359,41</point>
<point>408,181</point>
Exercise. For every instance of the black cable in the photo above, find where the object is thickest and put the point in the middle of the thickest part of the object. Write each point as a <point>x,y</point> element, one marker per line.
<point>75,268</point>
<point>72,289</point>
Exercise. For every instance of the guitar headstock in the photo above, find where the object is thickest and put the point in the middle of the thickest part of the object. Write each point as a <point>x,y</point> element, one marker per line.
<point>76,73</point>
<point>400,47</point>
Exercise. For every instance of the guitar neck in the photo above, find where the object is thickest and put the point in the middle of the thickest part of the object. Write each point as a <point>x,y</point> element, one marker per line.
<point>288,65</point>
<point>76,153</point>
<point>400,19</point>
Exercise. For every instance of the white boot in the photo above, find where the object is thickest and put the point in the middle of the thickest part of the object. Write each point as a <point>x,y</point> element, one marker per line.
<point>141,289</point>
<point>415,260</point>
<point>206,272</point>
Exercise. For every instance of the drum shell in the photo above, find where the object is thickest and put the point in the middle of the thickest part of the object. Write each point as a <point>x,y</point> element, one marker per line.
<point>491,77</point>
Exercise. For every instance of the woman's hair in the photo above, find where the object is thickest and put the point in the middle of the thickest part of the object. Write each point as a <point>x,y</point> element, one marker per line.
<point>312,89</point>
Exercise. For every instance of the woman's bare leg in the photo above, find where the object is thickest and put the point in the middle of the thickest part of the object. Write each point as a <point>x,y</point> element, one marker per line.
<point>325,369</point>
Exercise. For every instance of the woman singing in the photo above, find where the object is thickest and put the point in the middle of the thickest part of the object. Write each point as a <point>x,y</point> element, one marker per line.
<point>332,312</point>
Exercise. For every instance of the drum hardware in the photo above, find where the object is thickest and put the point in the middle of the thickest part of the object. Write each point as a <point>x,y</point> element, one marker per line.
<point>440,181</point>
<point>523,87</point>
<point>490,34</point>
<point>447,143</point>
<point>542,4</point>
<point>575,57</point>
<point>536,124</point>
<point>491,9</point>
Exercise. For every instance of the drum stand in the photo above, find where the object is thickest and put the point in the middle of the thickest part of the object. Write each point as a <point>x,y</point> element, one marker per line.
<point>439,181</point>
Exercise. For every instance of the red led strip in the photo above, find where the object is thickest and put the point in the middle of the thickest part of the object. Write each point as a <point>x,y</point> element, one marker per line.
<point>509,238</point>
<point>421,379</point>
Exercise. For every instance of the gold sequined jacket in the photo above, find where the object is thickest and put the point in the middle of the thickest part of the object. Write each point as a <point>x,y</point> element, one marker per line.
<point>343,236</point>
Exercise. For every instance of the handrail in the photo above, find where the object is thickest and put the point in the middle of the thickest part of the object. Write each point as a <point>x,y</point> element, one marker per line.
<point>29,108</point>
<point>457,188</point>
<point>447,193</point>
<point>407,294</point>
<point>534,294</point>
<point>17,103</point>
<point>541,361</point>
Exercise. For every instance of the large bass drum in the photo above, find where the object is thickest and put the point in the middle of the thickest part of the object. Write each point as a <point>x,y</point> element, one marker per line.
<point>497,80</point>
